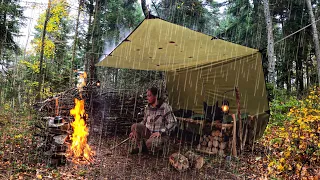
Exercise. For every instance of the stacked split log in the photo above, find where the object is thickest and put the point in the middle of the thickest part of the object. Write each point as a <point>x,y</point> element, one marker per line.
<point>218,142</point>
<point>54,134</point>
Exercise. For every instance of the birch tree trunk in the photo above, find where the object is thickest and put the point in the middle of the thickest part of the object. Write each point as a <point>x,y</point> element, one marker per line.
<point>271,56</point>
<point>315,36</point>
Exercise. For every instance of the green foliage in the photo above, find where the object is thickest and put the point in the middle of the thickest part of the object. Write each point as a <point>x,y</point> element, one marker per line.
<point>193,14</point>
<point>11,20</point>
<point>279,109</point>
<point>295,146</point>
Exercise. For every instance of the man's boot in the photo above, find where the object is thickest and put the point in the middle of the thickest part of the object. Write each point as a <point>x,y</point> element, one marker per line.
<point>143,149</point>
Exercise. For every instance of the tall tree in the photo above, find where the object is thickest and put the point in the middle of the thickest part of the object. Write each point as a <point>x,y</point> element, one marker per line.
<point>271,56</point>
<point>52,46</point>
<point>194,14</point>
<point>315,36</point>
<point>75,41</point>
<point>44,31</point>
<point>11,19</point>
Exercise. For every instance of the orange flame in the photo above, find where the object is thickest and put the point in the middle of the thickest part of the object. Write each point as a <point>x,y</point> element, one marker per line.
<point>79,149</point>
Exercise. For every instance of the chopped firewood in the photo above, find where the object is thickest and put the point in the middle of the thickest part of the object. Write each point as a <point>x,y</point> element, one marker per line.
<point>199,146</point>
<point>204,143</point>
<point>211,138</point>
<point>210,144</point>
<point>201,139</point>
<point>221,152</point>
<point>215,133</point>
<point>208,149</point>
<point>60,139</point>
<point>222,145</point>
<point>195,160</point>
<point>179,162</point>
<point>215,143</point>
<point>214,150</point>
<point>216,138</point>
<point>207,139</point>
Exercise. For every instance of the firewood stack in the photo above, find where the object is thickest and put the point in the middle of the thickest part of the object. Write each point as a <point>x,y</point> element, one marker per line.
<point>216,143</point>
<point>54,134</point>
<point>61,103</point>
<point>54,127</point>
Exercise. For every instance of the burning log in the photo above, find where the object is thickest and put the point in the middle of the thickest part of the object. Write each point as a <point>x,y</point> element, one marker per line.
<point>79,149</point>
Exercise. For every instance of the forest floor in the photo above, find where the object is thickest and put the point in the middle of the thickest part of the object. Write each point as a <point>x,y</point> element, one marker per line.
<point>20,160</point>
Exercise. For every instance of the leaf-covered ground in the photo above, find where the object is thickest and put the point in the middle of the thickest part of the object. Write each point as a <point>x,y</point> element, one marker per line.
<point>20,160</point>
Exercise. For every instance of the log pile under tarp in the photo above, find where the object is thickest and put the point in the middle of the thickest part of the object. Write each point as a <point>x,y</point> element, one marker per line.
<point>218,142</point>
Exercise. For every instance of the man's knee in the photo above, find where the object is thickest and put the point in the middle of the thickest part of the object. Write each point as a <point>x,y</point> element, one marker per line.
<point>138,128</point>
<point>134,127</point>
<point>154,142</point>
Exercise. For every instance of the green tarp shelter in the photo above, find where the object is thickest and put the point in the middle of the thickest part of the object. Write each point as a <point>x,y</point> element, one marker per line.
<point>198,67</point>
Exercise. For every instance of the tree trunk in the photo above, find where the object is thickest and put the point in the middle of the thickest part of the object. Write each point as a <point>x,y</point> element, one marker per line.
<point>75,43</point>
<point>271,56</point>
<point>42,50</point>
<point>289,80</point>
<point>88,37</point>
<point>94,46</point>
<point>144,8</point>
<point>307,70</point>
<point>315,36</point>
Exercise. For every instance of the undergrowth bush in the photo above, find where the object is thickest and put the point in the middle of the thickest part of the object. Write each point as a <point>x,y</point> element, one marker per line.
<point>292,137</point>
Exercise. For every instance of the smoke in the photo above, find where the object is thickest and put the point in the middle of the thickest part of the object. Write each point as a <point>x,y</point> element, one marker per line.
<point>111,43</point>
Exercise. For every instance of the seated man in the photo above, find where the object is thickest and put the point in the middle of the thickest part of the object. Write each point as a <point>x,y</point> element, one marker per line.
<point>156,126</point>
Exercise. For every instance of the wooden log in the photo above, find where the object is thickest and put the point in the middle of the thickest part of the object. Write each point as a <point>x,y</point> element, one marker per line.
<point>60,139</point>
<point>222,145</point>
<point>195,160</point>
<point>208,149</point>
<point>199,146</point>
<point>215,133</point>
<point>216,138</point>
<point>215,144</point>
<point>207,139</point>
<point>221,152</point>
<point>203,148</point>
<point>201,139</point>
<point>211,138</point>
<point>214,150</point>
<point>204,143</point>
<point>210,144</point>
<point>179,162</point>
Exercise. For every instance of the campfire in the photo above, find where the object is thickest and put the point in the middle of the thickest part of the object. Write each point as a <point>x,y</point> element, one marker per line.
<point>79,150</point>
